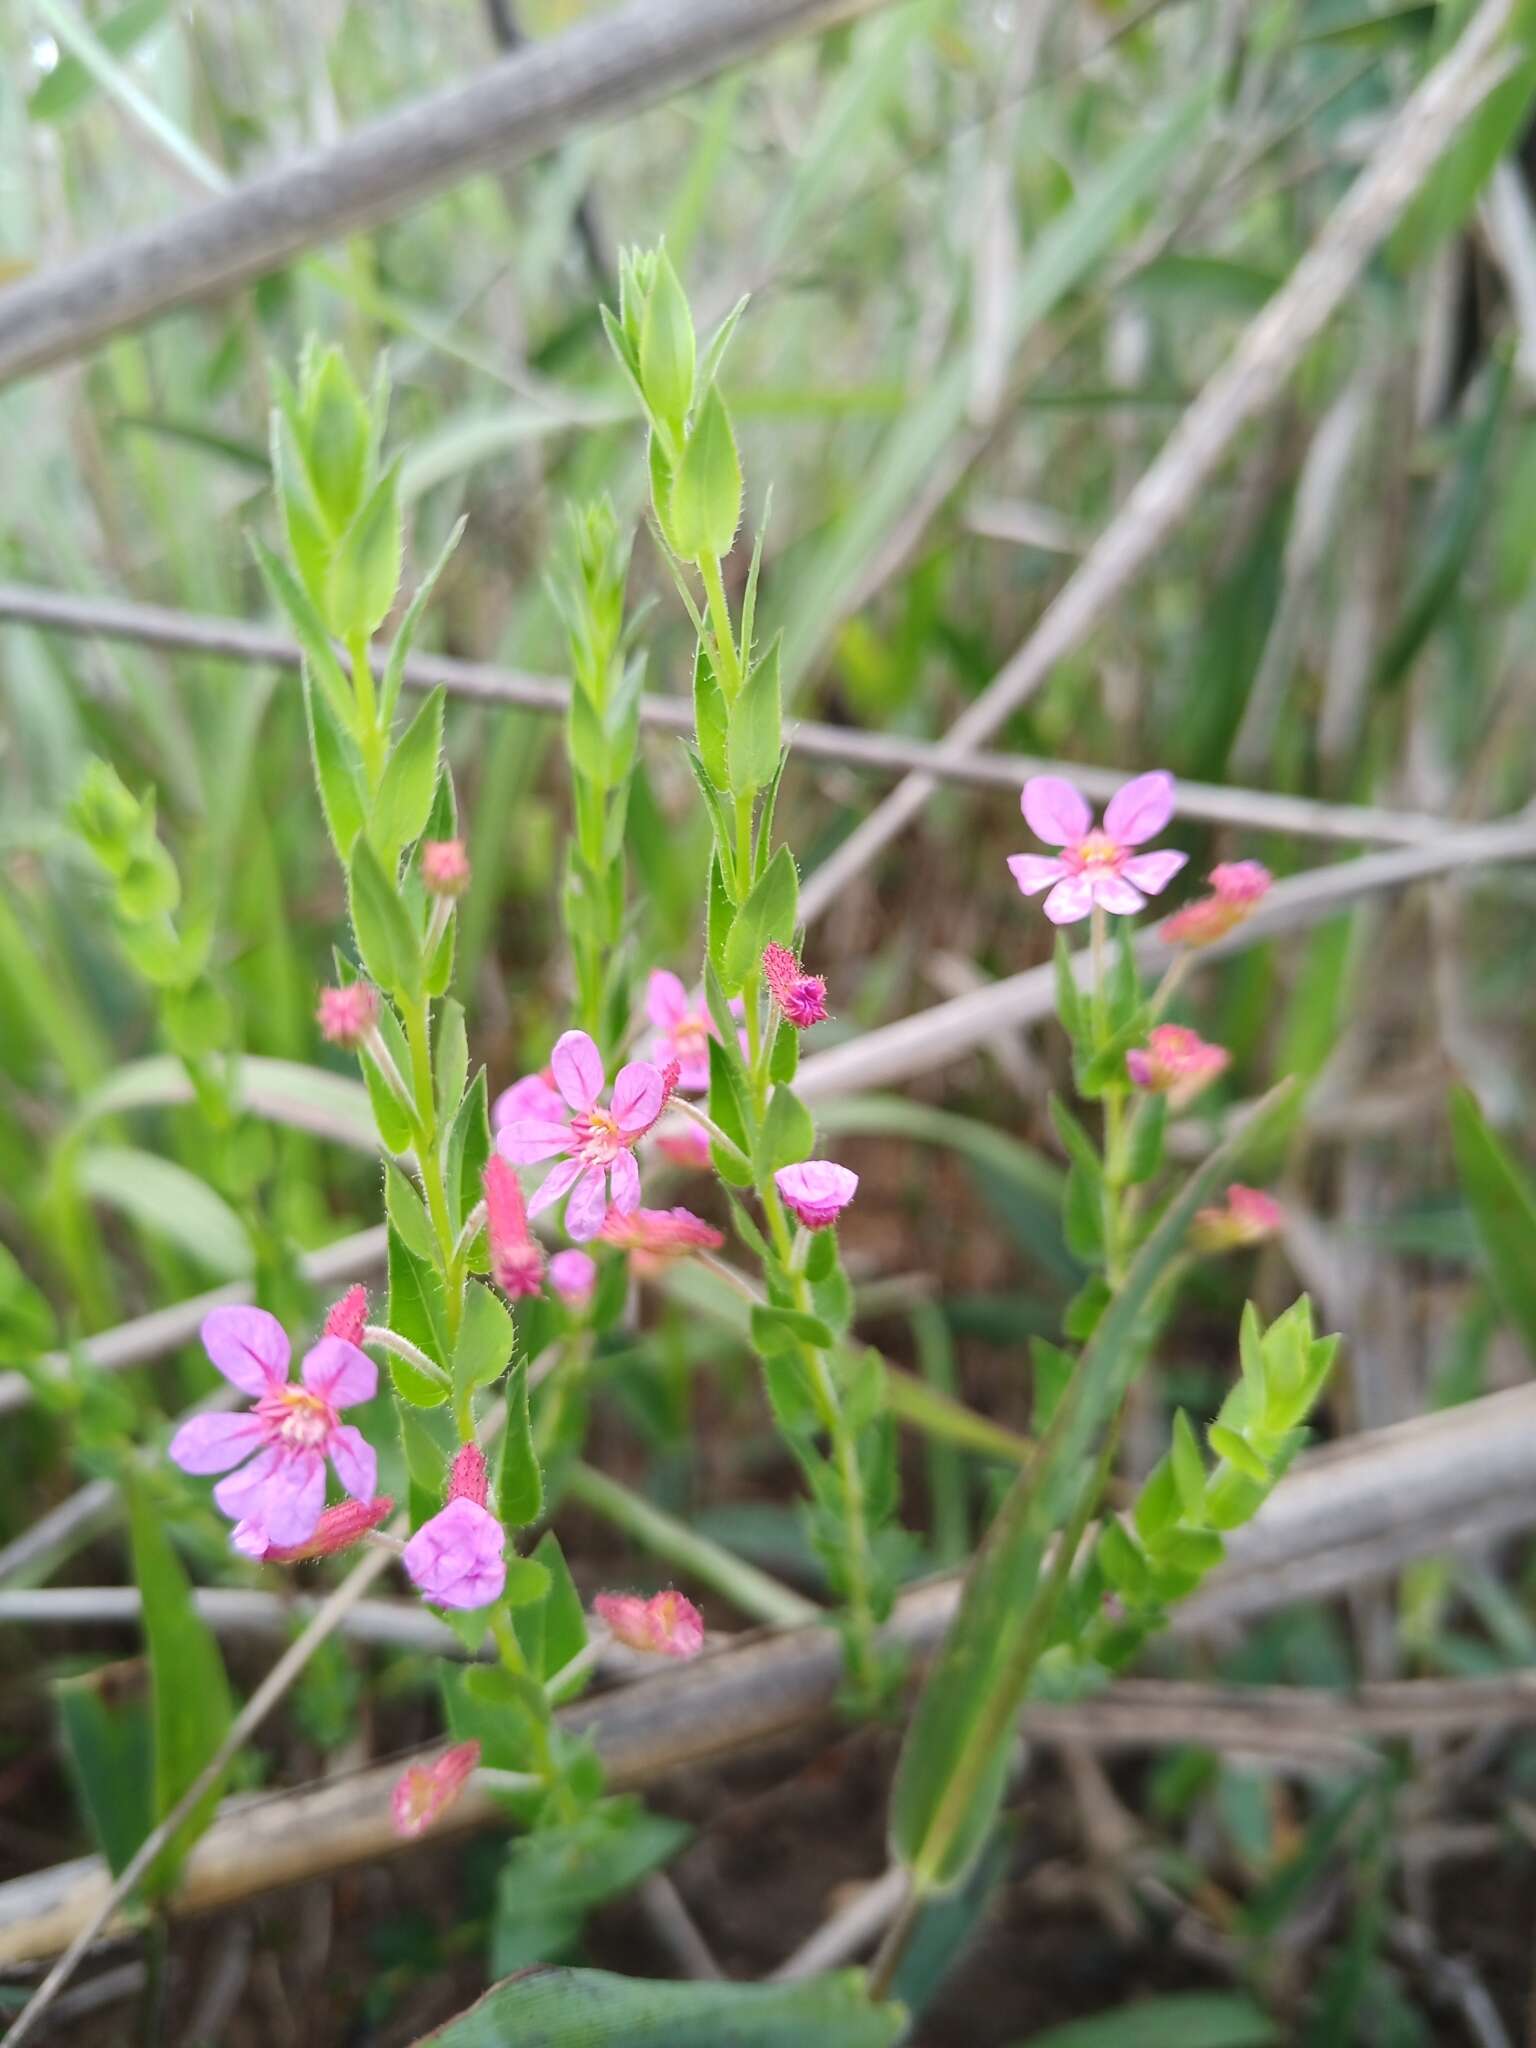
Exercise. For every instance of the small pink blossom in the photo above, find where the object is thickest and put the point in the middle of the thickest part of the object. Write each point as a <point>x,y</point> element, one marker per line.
<point>458,1559</point>
<point>817,1191</point>
<point>425,1791</point>
<point>595,1146</point>
<point>1237,889</point>
<point>573,1276</point>
<point>348,1318</point>
<point>517,1259</point>
<point>801,997</point>
<point>444,866</point>
<point>468,1478</point>
<point>685,1143</point>
<point>1176,1062</point>
<point>338,1529</point>
<point>684,1028</point>
<point>667,1624</point>
<point>1247,1217</point>
<point>535,1095</point>
<point>346,1016</point>
<point>276,1498</point>
<point>657,1237</point>
<point>1096,867</point>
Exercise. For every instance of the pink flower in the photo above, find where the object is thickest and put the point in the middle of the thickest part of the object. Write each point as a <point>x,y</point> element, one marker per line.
<point>666,1624</point>
<point>468,1478</point>
<point>535,1095</point>
<point>801,997</point>
<point>1237,889</point>
<point>1176,1062</point>
<point>348,1318</point>
<point>816,1192</point>
<point>517,1261</point>
<point>337,1529</point>
<point>595,1146</point>
<point>573,1276</point>
<point>346,1016</point>
<point>685,1143</point>
<point>1096,867</point>
<point>657,1237</point>
<point>276,1499</point>
<point>684,1028</point>
<point>458,1559</point>
<point>1247,1218</point>
<point>444,866</point>
<point>425,1791</point>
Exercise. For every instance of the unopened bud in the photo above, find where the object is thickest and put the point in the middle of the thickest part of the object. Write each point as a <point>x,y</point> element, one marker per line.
<point>666,1625</point>
<point>346,1016</point>
<point>348,1318</point>
<point>337,1529</point>
<point>444,866</point>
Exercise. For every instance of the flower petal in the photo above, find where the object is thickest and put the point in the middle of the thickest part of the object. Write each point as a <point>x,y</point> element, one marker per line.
<point>291,1502</point>
<point>1114,893</point>
<point>1152,872</point>
<point>532,1096</point>
<point>531,1139</point>
<point>1035,871</point>
<point>578,1069</point>
<point>213,1443</point>
<point>588,1206</point>
<point>356,1465</point>
<point>626,1184</point>
<point>1054,811</point>
<point>1069,900</point>
<point>1140,809</point>
<point>554,1185</point>
<point>339,1373</point>
<point>666,1000</point>
<point>249,1347</point>
<point>637,1098</point>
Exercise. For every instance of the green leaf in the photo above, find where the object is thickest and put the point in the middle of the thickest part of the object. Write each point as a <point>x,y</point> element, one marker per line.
<point>338,769</point>
<point>168,1201</point>
<point>394,668</point>
<point>1188,1466</point>
<point>527,1582</point>
<point>467,1150</point>
<point>386,944</point>
<point>1449,193</point>
<point>1503,1212</point>
<point>409,783</point>
<point>450,1061</point>
<point>768,914</point>
<point>780,1329</point>
<point>308,626</point>
<point>189,1692</point>
<point>486,1339</point>
<point>415,1294</point>
<point>365,570</point>
<point>556,2008</point>
<point>705,505</point>
<point>756,726</point>
<point>109,1745</point>
<point>1189,2019</point>
<point>710,720</point>
<point>1226,1443</point>
<point>666,354</point>
<point>519,1481</point>
<point>69,84</point>
<point>788,1135</point>
<point>337,434</point>
<point>560,1621</point>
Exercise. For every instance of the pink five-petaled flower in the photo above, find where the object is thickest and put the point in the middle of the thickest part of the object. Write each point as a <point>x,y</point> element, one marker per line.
<point>458,1559</point>
<point>667,1624</point>
<point>1237,889</point>
<point>817,1191</point>
<point>277,1498</point>
<point>337,1529</point>
<point>1247,1217</point>
<point>801,997</point>
<point>346,1016</point>
<point>1096,868</point>
<point>573,1276</point>
<point>348,1318</point>
<point>1176,1062</point>
<point>517,1260</point>
<point>684,1028</point>
<point>595,1146</point>
<point>444,866</point>
<point>656,1237</point>
<point>425,1791</point>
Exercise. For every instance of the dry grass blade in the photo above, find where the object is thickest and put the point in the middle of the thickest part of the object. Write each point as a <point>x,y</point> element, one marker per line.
<point>1252,378</point>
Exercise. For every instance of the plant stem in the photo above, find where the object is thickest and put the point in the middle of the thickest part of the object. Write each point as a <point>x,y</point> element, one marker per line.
<point>371,739</point>
<point>727,666</point>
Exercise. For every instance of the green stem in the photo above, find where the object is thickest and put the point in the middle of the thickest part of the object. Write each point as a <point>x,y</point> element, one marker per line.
<point>371,739</point>
<point>451,1255</point>
<point>727,665</point>
<point>510,1651</point>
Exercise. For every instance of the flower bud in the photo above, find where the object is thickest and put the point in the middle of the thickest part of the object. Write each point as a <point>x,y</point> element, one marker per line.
<point>467,1476</point>
<point>444,866</point>
<point>346,1016</point>
<point>338,1529</point>
<point>816,1192</point>
<point>426,1791</point>
<point>348,1318</point>
<point>517,1259</point>
<point>1247,1217</point>
<point>1176,1062</point>
<point>573,1276</point>
<point>801,997</point>
<point>1237,889</point>
<point>666,1625</point>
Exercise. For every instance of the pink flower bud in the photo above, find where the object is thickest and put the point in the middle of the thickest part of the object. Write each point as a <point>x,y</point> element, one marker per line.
<point>1247,1217</point>
<point>467,1476</point>
<point>348,1318</point>
<point>425,1791</point>
<point>444,866</point>
<point>801,997</point>
<point>517,1260</point>
<point>458,1559</point>
<point>338,1529</point>
<point>573,1276</point>
<point>657,1237</point>
<point>685,1144</point>
<point>816,1192</point>
<point>1237,888</point>
<point>346,1016</point>
<point>1176,1062</point>
<point>667,1625</point>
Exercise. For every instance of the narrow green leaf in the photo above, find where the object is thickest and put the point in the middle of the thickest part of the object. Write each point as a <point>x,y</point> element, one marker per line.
<point>788,1135</point>
<point>365,570</point>
<point>705,505</point>
<point>768,913</point>
<point>394,667</point>
<point>109,1745</point>
<point>1503,1212</point>
<point>409,783</point>
<point>485,1341</point>
<point>386,944</point>
<point>519,1481</point>
<point>756,726</point>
